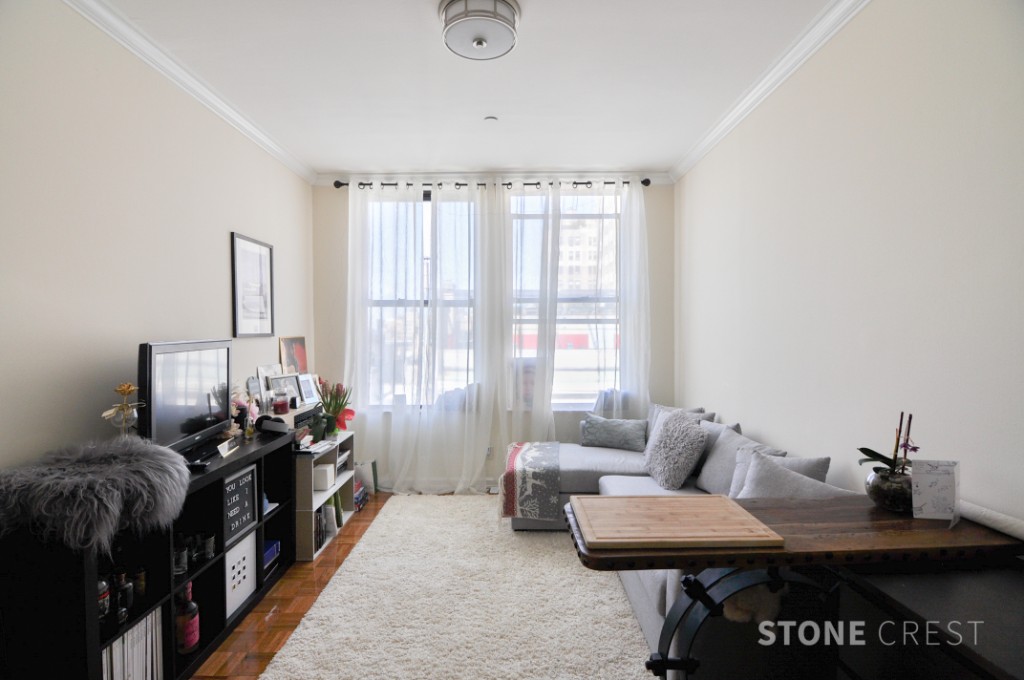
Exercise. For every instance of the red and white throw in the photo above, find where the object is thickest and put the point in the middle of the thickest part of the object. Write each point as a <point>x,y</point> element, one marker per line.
<point>528,487</point>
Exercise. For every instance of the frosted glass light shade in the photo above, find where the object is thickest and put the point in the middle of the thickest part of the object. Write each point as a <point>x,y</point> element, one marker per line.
<point>480,29</point>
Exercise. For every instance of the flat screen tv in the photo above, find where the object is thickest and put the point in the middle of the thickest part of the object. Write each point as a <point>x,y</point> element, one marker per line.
<point>184,387</point>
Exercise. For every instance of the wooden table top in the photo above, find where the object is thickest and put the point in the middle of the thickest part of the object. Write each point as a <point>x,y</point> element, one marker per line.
<point>848,530</point>
<point>705,521</point>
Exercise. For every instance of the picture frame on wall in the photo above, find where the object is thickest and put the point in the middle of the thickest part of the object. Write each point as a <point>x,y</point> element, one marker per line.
<point>252,284</point>
<point>293,354</point>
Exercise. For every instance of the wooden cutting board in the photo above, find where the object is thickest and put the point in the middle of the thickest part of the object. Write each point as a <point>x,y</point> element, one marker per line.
<point>669,522</point>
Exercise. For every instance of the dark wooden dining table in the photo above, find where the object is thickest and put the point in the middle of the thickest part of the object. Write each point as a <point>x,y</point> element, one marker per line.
<point>845,531</point>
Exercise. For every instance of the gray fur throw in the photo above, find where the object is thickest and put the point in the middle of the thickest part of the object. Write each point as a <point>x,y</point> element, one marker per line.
<point>83,495</point>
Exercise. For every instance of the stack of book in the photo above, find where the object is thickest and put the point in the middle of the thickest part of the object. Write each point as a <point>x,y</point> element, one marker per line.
<point>359,495</point>
<point>320,528</point>
<point>138,654</point>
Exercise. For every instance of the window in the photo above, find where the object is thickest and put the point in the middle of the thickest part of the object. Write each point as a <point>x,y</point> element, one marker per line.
<point>586,314</point>
<point>465,303</point>
<point>421,299</point>
<point>428,256</point>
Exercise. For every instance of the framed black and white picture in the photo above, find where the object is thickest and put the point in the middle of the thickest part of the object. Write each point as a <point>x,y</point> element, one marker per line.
<point>289,384</point>
<point>265,371</point>
<point>252,279</point>
<point>307,384</point>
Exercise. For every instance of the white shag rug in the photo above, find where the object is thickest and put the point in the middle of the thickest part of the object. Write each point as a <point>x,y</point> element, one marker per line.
<point>439,588</point>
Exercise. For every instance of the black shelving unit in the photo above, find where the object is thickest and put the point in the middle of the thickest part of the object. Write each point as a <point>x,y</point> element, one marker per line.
<point>49,616</point>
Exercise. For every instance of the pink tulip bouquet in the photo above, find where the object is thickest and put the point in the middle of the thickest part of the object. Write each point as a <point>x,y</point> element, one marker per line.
<point>335,399</point>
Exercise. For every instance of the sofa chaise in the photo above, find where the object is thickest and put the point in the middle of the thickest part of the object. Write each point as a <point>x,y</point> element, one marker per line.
<point>610,461</point>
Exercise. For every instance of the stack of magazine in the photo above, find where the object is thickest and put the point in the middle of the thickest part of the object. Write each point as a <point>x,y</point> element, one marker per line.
<point>360,495</point>
<point>138,654</point>
<point>320,527</point>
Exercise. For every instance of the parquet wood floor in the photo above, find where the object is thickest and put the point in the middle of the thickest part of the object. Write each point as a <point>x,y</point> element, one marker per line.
<point>264,630</point>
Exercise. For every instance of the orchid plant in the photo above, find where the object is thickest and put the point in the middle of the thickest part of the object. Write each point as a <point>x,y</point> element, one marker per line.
<point>335,399</point>
<point>895,463</point>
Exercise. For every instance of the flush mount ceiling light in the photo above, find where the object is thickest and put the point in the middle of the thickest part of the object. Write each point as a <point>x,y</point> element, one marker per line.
<point>480,29</point>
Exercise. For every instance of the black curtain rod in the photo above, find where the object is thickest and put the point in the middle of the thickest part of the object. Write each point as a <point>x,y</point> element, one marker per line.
<point>458,185</point>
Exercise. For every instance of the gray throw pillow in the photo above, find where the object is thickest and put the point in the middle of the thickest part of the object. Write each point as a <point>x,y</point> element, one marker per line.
<point>716,475</point>
<point>767,479</point>
<point>815,468</point>
<point>655,410</point>
<point>675,450</point>
<point>715,429</point>
<point>613,433</point>
<point>743,456</point>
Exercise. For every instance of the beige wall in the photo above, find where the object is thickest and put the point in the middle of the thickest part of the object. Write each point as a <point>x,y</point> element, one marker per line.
<point>854,248</point>
<point>660,208</point>
<point>118,193</point>
<point>330,254</point>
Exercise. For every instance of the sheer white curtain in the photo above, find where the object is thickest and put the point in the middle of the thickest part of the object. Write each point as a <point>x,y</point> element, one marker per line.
<point>630,397</point>
<point>581,313</point>
<point>476,313</point>
<point>421,372</point>
<point>530,220</point>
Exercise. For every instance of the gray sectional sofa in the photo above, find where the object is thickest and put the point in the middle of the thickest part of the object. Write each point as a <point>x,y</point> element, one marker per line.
<point>614,471</point>
<point>582,466</point>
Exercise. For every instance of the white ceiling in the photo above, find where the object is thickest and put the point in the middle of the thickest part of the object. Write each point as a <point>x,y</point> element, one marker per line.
<point>340,87</point>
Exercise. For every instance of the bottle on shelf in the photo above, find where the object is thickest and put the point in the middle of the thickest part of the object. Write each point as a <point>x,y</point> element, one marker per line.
<point>180,555</point>
<point>186,621</point>
<point>251,414</point>
<point>125,593</point>
<point>104,598</point>
<point>139,582</point>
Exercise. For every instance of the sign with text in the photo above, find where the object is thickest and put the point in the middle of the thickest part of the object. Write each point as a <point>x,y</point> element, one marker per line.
<point>239,503</point>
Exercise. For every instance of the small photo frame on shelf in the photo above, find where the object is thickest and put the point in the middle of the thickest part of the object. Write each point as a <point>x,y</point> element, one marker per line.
<point>289,383</point>
<point>252,286</point>
<point>266,371</point>
<point>254,386</point>
<point>307,387</point>
<point>293,354</point>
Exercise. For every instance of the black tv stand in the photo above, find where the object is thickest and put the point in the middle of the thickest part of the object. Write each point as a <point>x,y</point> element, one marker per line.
<point>48,593</point>
<point>201,452</point>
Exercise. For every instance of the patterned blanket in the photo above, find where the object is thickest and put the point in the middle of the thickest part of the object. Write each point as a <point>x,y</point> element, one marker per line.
<point>528,487</point>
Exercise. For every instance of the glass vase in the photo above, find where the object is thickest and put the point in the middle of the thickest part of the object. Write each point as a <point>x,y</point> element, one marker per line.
<point>890,490</point>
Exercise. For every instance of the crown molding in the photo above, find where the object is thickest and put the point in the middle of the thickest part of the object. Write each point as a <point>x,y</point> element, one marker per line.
<point>828,23</point>
<point>120,29</point>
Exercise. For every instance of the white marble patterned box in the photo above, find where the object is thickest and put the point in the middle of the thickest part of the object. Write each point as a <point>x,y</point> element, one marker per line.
<point>936,489</point>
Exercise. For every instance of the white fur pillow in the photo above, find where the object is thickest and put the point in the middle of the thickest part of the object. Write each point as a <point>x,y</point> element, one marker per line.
<point>765,479</point>
<point>654,426</point>
<point>675,449</point>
